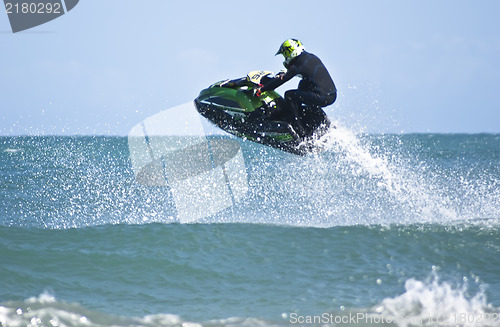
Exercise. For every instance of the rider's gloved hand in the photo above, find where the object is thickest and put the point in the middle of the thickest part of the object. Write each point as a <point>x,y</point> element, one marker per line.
<point>281,73</point>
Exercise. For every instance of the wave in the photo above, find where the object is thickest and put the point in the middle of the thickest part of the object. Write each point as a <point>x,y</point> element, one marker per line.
<point>436,303</point>
<point>423,303</point>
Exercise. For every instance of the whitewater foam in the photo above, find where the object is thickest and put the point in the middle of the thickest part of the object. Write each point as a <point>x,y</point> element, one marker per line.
<point>45,310</point>
<point>436,303</point>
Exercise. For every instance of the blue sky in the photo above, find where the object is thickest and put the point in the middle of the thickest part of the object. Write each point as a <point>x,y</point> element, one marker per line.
<point>400,66</point>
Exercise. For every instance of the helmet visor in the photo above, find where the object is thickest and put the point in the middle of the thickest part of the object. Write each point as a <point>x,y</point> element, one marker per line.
<point>280,50</point>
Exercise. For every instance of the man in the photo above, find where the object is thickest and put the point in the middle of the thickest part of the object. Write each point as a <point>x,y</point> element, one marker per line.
<point>316,87</point>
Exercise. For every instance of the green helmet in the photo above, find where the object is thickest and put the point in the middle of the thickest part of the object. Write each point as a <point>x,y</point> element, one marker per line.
<point>290,49</point>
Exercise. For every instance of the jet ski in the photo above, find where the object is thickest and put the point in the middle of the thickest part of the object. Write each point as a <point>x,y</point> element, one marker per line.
<point>236,107</point>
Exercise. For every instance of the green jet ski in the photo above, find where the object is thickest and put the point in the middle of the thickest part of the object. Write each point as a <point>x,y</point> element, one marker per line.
<point>235,107</point>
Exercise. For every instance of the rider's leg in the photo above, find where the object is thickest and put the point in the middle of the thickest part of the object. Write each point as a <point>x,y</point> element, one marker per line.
<point>294,99</point>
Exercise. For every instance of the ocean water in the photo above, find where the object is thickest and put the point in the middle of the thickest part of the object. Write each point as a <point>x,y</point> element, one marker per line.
<point>390,230</point>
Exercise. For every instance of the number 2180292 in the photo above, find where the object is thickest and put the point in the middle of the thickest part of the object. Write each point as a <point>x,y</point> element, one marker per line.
<point>33,8</point>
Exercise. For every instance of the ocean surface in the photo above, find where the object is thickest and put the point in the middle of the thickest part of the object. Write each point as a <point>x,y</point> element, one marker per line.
<point>389,230</point>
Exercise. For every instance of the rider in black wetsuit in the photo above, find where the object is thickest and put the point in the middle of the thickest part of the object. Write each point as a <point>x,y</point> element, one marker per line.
<point>316,87</point>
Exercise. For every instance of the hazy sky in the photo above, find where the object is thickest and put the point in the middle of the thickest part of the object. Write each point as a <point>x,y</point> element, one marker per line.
<point>399,66</point>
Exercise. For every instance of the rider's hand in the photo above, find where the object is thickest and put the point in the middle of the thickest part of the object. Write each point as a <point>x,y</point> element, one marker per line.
<point>280,74</point>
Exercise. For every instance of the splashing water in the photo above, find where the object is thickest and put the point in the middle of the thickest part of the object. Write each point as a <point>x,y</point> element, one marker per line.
<point>402,183</point>
<point>359,179</point>
<point>390,170</point>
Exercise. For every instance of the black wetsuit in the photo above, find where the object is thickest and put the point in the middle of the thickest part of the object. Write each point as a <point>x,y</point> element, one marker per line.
<point>315,89</point>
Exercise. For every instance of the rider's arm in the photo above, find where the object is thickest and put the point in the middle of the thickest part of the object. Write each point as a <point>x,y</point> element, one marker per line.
<point>278,80</point>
